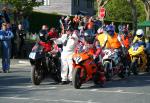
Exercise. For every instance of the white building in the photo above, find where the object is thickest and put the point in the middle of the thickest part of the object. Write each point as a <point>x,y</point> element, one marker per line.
<point>67,7</point>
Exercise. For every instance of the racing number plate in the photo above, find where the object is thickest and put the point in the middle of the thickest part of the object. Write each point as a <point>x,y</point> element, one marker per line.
<point>32,55</point>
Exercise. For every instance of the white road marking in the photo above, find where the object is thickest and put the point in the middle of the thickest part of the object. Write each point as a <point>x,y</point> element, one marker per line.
<point>31,87</point>
<point>14,87</point>
<point>94,90</point>
<point>23,62</point>
<point>115,91</point>
<point>147,80</point>
<point>48,100</point>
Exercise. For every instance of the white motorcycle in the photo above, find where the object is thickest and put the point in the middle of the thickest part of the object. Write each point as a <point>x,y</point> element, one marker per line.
<point>112,64</point>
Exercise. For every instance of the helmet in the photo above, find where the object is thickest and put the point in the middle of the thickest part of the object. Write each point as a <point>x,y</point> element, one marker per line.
<point>88,33</point>
<point>140,33</point>
<point>89,36</point>
<point>110,29</point>
<point>42,35</point>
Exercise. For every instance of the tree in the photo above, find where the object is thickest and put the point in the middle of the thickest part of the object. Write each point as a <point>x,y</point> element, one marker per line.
<point>147,10</point>
<point>134,14</point>
<point>118,10</point>
<point>23,7</point>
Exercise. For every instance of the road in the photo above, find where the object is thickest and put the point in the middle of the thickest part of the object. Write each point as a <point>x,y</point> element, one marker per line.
<point>16,87</point>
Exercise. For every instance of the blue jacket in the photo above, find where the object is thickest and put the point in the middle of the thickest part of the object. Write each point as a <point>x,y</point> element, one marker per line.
<point>6,35</point>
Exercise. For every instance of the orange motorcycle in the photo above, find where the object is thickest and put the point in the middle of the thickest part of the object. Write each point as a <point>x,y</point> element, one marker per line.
<point>86,69</point>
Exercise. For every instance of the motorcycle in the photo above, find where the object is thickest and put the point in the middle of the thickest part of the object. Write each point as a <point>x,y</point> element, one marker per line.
<point>43,64</point>
<point>86,69</point>
<point>112,64</point>
<point>137,52</point>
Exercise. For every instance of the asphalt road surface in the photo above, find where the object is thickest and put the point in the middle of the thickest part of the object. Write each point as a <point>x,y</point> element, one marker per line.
<point>16,87</point>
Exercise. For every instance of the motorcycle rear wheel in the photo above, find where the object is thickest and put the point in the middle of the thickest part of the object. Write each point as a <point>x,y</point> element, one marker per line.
<point>76,80</point>
<point>36,76</point>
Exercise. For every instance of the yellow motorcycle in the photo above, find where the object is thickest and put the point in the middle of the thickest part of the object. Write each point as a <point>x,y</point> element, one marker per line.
<point>138,58</point>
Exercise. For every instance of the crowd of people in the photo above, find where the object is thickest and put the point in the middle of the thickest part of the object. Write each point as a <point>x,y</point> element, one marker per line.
<point>74,34</point>
<point>82,33</point>
<point>12,36</point>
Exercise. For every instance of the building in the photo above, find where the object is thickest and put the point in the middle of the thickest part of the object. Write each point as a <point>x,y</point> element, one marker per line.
<point>67,7</point>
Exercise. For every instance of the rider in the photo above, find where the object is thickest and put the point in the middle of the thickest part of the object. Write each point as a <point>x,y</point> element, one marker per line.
<point>111,40</point>
<point>92,48</point>
<point>125,38</point>
<point>69,41</point>
<point>140,38</point>
<point>44,41</point>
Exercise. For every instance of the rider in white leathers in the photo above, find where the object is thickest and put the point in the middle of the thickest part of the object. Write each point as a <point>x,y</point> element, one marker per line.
<point>69,41</point>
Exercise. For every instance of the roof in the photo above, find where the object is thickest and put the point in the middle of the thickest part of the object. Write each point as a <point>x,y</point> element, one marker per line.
<point>144,24</point>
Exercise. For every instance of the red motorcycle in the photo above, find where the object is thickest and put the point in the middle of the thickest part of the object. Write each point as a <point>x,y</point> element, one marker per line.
<point>86,69</point>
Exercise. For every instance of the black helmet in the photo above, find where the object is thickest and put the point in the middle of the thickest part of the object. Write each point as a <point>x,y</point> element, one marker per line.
<point>42,35</point>
<point>89,36</point>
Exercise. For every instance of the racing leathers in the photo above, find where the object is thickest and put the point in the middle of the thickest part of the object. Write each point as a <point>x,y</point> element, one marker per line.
<point>69,42</point>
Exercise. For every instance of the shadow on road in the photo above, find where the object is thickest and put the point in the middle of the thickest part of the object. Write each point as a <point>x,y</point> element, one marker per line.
<point>132,81</point>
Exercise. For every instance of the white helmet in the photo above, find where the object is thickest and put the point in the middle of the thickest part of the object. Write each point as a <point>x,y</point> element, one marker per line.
<point>140,32</point>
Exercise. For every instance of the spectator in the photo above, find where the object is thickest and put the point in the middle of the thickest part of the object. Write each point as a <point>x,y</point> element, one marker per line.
<point>68,23</point>
<point>14,47</point>
<point>76,21</point>
<point>53,33</point>
<point>120,29</point>
<point>43,33</point>
<point>5,14</point>
<point>25,24</point>
<point>62,23</point>
<point>1,19</point>
<point>90,25</point>
<point>5,37</point>
<point>21,34</point>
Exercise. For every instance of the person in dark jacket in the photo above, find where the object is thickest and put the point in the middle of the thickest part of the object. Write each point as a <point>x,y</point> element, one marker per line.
<point>21,34</point>
<point>5,37</point>
<point>5,14</point>
<point>1,19</point>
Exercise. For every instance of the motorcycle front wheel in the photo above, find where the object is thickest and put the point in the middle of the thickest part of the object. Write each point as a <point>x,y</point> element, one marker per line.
<point>134,66</point>
<point>36,75</point>
<point>76,80</point>
<point>108,72</point>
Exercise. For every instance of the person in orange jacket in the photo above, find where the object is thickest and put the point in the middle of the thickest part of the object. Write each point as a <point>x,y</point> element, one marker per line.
<point>111,40</point>
<point>125,39</point>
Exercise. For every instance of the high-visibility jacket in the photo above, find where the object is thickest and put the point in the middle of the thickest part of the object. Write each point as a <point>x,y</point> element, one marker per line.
<point>111,42</point>
<point>102,39</point>
<point>125,41</point>
<point>137,39</point>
